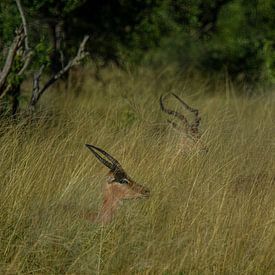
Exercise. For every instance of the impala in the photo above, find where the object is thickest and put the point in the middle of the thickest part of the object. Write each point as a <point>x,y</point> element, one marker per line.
<point>190,135</point>
<point>118,187</point>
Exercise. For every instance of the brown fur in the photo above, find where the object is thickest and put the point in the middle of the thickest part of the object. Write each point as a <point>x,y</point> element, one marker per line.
<point>114,193</point>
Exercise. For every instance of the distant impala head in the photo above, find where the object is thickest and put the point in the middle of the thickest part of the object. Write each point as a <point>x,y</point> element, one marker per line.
<point>191,136</point>
<point>119,185</point>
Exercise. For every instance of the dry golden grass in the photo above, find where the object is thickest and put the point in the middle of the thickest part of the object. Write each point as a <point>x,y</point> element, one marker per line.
<point>209,213</point>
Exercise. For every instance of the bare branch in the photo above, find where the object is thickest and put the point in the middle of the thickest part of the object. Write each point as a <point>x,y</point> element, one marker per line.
<point>16,44</point>
<point>27,60</point>
<point>25,56</point>
<point>36,79</point>
<point>27,51</point>
<point>37,92</point>
<point>24,22</point>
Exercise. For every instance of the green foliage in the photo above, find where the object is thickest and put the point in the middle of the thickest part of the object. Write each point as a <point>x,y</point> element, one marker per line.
<point>269,59</point>
<point>52,8</point>
<point>213,36</point>
<point>9,20</point>
<point>42,53</point>
<point>144,36</point>
<point>14,79</point>
<point>238,44</point>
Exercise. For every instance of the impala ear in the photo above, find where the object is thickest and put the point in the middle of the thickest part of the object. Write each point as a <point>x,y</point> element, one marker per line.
<point>110,178</point>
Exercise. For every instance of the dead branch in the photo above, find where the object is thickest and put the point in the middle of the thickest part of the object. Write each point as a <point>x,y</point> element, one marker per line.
<point>24,22</point>
<point>27,54</point>
<point>15,46</point>
<point>37,92</point>
<point>26,60</point>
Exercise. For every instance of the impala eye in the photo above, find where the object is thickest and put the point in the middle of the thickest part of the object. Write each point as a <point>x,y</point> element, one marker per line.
<point>123,181</point>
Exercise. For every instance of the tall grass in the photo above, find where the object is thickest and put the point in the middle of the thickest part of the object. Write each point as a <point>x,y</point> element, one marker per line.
<point>210,213</point>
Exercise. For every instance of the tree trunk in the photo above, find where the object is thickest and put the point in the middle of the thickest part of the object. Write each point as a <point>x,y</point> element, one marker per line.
<point>57,55</point>
<point>16,91</point>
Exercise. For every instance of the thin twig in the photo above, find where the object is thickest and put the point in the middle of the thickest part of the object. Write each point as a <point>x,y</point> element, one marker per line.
<point>37,92</point>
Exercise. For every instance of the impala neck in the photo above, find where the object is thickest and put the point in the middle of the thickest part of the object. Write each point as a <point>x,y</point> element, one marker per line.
<point>108,209</point>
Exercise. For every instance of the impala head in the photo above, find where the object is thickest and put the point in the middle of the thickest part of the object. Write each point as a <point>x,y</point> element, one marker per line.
<point>191,135</point>
<point>119,185</point>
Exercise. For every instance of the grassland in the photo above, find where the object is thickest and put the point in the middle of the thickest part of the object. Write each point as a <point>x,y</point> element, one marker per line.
<point>210,213</point>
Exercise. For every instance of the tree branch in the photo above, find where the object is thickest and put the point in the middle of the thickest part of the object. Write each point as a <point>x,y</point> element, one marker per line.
<point>24,22</point>
<point>37,92</point>
<point>16,44</point>
<point>27,55</point>
<point>21,36</point>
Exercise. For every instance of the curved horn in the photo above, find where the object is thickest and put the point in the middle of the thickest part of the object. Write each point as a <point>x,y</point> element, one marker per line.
<point>173,113</point>
<point>197,119</point>
<point>113,164</point>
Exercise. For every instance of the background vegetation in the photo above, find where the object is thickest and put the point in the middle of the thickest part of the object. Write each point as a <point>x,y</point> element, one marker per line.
<point>216,38</point>
<point>232,35</point>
